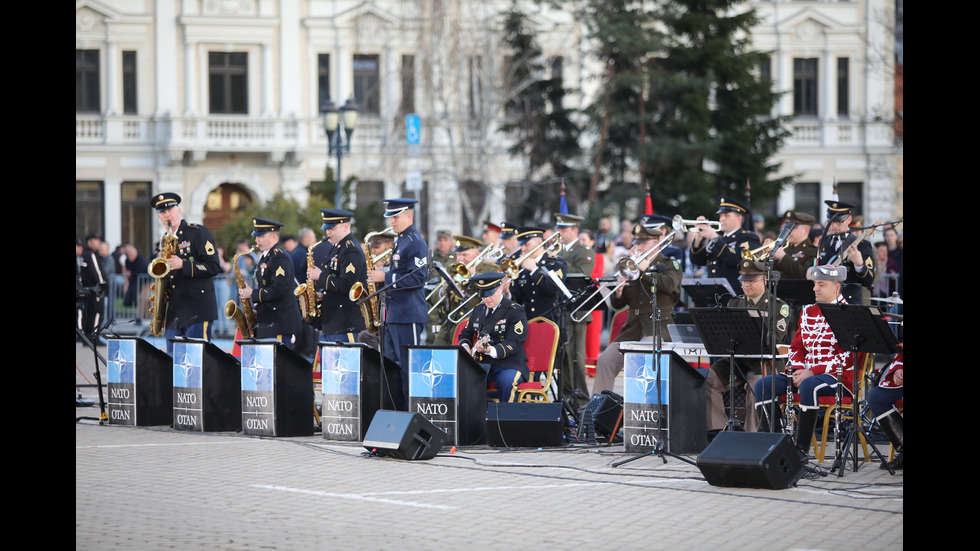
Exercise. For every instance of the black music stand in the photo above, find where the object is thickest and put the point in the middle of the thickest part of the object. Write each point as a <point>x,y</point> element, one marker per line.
<point>707,292</point>
<point>858,328</point>
<point>730,331</point>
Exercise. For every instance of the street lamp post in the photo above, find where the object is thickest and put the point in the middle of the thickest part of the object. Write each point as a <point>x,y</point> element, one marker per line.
<point>333,120</point>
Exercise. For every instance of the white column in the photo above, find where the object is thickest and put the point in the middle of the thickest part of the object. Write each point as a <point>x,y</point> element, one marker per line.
<point>190,100</point>
<point>343,88</point>
<point>289,58</point>
<point>165,51</point>
<point>828,111</point>
<point>266,80</point>
<point>113,211</point>
<point>111,79</point>
<point>784,78</point>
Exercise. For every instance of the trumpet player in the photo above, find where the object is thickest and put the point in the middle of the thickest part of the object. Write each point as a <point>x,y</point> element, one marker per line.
<point>657,271</point>
<point>799,253</point>
<point>721,251</point>
<point>335,274</point>
<point>580,260</point>
<point>276,309</point>
<point>192,305</point>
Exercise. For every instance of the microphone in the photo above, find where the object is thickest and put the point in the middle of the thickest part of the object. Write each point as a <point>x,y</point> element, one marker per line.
<point>658,268</point>
<point>783,235</point>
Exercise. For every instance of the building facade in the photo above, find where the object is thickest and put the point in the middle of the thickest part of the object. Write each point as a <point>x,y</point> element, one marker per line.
<point>220,100</point>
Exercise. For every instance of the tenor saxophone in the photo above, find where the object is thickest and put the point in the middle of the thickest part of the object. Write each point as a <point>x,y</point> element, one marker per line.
<point>371,308</point>
<point>159,269</point>
<point>306,292</point>
<point>245,316</point>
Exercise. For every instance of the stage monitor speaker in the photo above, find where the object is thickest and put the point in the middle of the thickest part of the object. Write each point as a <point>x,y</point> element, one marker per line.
<point>404,435</point>
<point>607,414</point>
<point>764,460</point>
<point>524,425</point>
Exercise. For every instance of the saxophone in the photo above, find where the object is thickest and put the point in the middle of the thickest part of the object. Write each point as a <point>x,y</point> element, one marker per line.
<point>245,316</point>
<point>306,292</point>
<point>370,309</point>
<point>159,269</point>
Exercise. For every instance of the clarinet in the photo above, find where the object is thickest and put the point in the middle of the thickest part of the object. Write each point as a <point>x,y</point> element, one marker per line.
<point>790,420</point>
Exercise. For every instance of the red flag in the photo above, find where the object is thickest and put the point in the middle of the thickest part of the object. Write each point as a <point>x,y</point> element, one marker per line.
<point>236,350</point>
<point>648,209</point>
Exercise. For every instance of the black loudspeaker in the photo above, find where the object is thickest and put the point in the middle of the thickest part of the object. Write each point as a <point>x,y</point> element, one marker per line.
<point>765,460</point>
<point>404,435</point>
<point>607,412</point>
<point>524,425</point>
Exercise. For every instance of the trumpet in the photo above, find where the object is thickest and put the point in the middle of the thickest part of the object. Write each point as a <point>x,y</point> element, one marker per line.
<point>512,268</point>
<point>762,253</point>
<point>692,225</point>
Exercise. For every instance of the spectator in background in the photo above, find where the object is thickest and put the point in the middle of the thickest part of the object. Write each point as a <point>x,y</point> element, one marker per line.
<point>604,235</point>
<point>222,291</point>
<point>135,264</point>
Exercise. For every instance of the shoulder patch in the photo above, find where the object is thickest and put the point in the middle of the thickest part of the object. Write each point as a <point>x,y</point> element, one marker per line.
<point>350,268</point>
<point>209,247</point>
<point>280,271</point>
<point>784,310</point>
<point>519,327</point>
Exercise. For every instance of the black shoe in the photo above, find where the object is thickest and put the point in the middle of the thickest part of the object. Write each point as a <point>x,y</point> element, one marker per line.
<point>896,464</point>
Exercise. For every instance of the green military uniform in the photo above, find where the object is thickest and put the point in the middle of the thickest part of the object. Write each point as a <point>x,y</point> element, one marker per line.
<point>799,256</point>
<point>579,260</point>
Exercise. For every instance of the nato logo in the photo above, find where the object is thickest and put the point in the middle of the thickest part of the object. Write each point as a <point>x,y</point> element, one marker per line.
<point>641,379</point>
<point>341,370</point>
<point>187,365</point>
<point>257,362</point>
<point>122,361</point>
<point>432,373</point>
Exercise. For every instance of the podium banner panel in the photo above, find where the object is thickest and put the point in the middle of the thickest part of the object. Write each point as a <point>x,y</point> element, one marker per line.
<point>140,384</point>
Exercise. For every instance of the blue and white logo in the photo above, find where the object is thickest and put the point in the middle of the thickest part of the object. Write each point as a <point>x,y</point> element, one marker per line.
<point>432,373</point>
<point>341,369</point>
<point>122,361</point>
<point>187,365</point>
<point>257,363</point>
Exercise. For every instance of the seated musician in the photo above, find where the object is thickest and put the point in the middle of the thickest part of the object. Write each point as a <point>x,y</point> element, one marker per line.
<point>495,335</point>
<point>755,295</point>
<point>881,400</point>
<point>814,358</point>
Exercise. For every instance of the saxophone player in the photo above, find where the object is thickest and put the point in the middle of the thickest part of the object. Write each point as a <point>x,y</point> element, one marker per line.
<point>192,306</point>
<point>345,264</point>
<point>276,309</point>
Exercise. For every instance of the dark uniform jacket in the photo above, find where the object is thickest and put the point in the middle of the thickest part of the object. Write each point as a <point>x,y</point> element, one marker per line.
<point>537,292</point>
<point>276,306</point>
<point>722,254</point>
<point>507,334</point>
<point>798,258</point>
<point>851,287</point>
<point>407,271</point>
<point>190,290</point>
<point>345,265</point>
<point>636,295</point>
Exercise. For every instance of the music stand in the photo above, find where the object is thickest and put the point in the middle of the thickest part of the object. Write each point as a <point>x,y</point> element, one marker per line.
<point>706,292</point>
<point>858,328</point>
<point>730,331</point>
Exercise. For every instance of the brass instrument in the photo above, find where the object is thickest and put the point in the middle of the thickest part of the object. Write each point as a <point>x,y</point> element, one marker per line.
<point>629,269</point>
<point>159,269</point>
<point>512,268</point>
<point>306,292</point>
<point>371,308</point>
<point>762,253</point>
<point>692,225</point>
<point>245,316</point>
<point>461,273</point>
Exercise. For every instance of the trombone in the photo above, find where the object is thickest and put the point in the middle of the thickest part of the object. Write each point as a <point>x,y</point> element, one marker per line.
<point>512,268</point>
<point>629,269</point>
<point>461,274</point>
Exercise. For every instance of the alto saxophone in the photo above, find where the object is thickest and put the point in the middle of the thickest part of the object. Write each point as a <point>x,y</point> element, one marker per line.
<point>371,308</point>
<point>245,316</point>
<point>306,292</point>
<point>159,269</point>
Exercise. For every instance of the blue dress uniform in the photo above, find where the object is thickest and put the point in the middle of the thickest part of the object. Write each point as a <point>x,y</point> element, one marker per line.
<point>276,307</point>
<point>722,254</point>
<point>344,266</point>
<point>506,329</point>
<point>536,291</point>
<point>192,305</point>
<point>405,308</point>
<point>830,247</point>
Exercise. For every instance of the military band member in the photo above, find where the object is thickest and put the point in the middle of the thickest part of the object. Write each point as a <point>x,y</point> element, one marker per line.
<point>722,251</point>
<point>636,294</point>
<point>534,289</point>
<point>192,305</point>
<point>437,328</point>
<point>344,266</point>
<point>580,260</point>
<point>814,358</point>
<point>407,311</point>
<point>838,247</point>
<point>755,295</point>
<point>276,308</point>
<point>494,335</point>
<point>508,241</point>
<point>799,254</point>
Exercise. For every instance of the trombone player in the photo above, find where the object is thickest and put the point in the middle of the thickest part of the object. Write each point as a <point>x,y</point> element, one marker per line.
<point>533,287</point>
<point>635,294</point>
<point>471,256</point>
<point>340,319</point>
<point>580,260</point>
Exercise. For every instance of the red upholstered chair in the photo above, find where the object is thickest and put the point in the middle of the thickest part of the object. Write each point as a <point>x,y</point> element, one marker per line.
<point>619,319</point>
<point>459,329</point>
<point>541,346</point>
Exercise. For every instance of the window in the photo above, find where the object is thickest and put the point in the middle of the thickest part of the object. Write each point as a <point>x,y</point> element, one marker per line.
<point>137,223</point>
<point>228,83</point>
<point>367,84</point>
<point>408,85</point>
<point>765,69</point>
<point>850,192</point>
<point>323,79</point>
<point>808,199</point>
<point>476,85</point>
<point>843,64</point>
<point>805,86</point>
<point>88,209</point>
<point>129,82</point>
<point>87,81</point>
